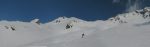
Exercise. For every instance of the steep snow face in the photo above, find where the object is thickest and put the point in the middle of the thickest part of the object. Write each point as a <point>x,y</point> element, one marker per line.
<point>125,30</point>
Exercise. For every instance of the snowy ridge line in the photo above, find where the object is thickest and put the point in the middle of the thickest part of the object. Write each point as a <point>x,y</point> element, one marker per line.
<point>121,18</point>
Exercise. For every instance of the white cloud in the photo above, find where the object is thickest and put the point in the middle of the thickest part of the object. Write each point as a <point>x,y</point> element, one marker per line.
<point>132,6</point>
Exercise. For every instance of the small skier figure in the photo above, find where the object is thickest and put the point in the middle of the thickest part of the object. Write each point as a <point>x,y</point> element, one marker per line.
<point>82,35</point>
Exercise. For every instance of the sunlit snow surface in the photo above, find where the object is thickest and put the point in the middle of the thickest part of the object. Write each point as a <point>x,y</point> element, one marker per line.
<point>130,30</point>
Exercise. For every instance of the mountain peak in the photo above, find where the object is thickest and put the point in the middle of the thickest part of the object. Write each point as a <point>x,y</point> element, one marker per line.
<point>35,21</point>
<point>66,19</point>
<point>135,16</point>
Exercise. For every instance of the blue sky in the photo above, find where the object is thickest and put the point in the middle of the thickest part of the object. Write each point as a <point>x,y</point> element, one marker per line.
<point>47,10</point>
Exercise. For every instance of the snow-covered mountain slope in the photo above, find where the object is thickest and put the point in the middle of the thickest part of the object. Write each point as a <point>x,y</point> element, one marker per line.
<point>125,36</point>
<point>125,30</point>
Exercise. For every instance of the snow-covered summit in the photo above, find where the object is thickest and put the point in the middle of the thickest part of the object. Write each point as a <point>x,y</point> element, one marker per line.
<point>134,17</point>
<point>35,21</point>
<point>67,19</point>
